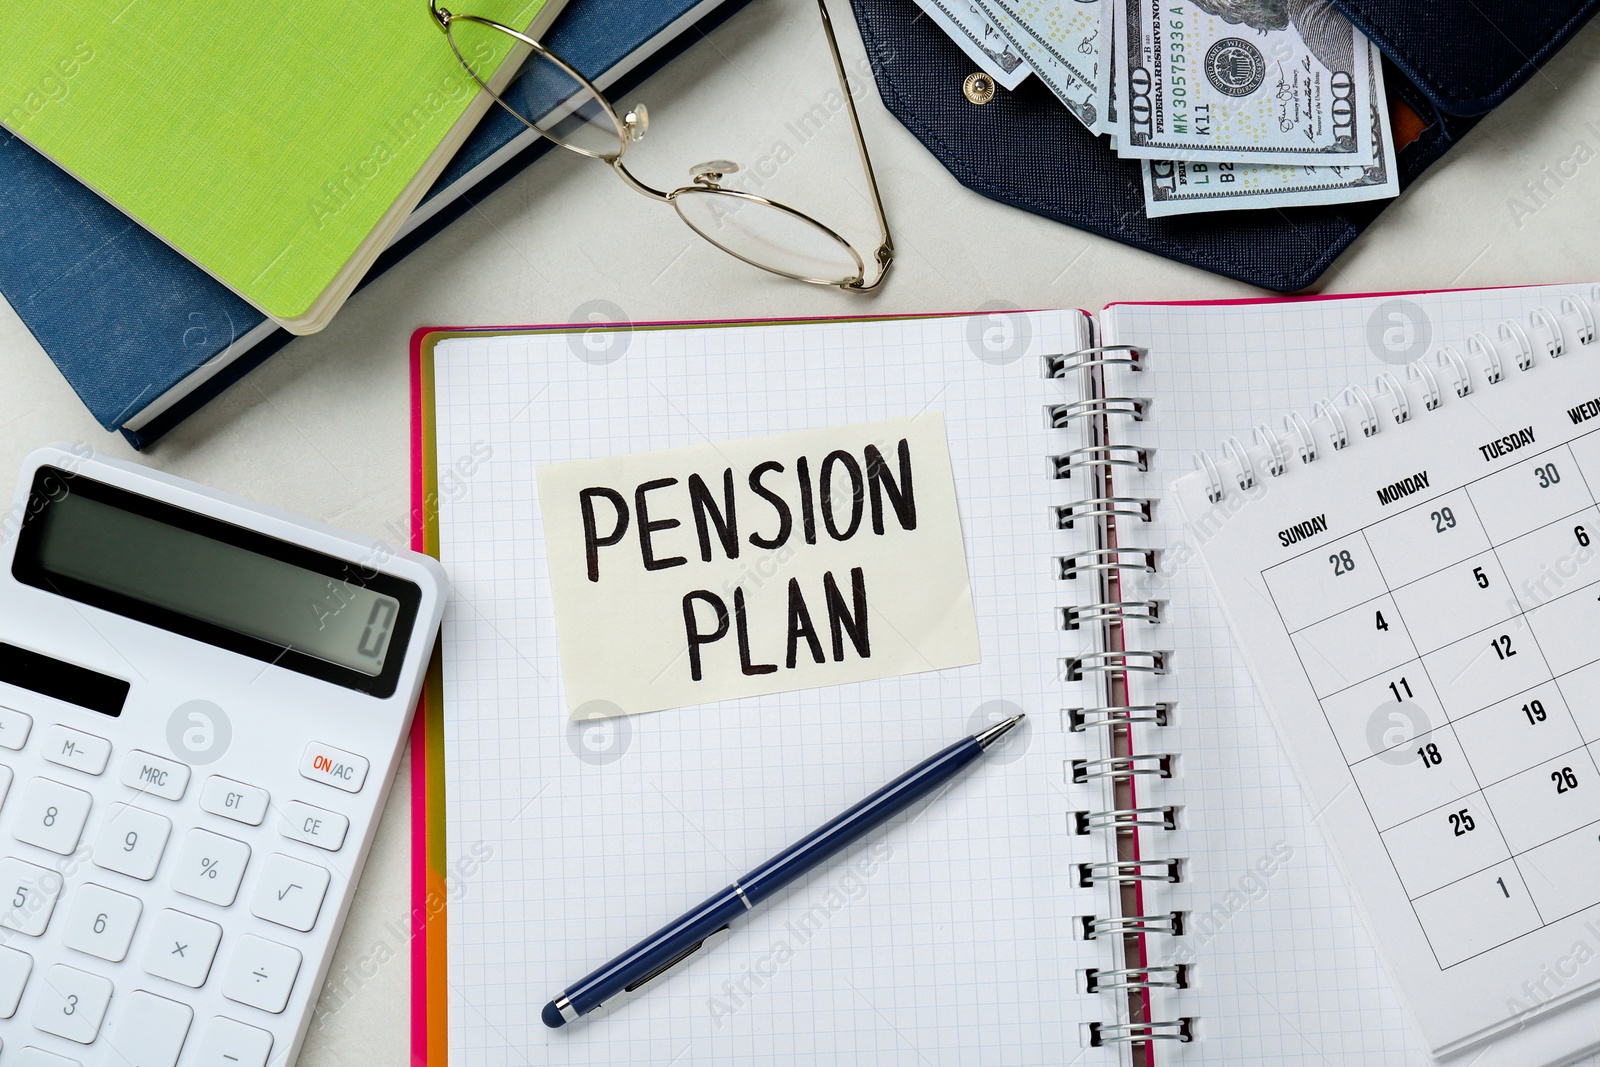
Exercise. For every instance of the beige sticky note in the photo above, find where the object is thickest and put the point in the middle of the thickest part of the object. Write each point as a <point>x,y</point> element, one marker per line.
<point>757,566</point>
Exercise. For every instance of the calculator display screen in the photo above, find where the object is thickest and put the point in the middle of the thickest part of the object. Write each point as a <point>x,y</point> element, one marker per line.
<point>269,598</point>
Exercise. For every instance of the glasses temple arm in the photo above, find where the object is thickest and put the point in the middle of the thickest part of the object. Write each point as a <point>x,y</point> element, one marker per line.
<point>885,254</point>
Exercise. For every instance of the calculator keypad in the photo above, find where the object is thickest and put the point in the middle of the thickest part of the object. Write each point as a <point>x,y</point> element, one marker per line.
<point>15,967</point>
<point>145,835</point>
<point>289,892</point>
<point>14,727</point>
<point>27,896</point>
<point>72,1004</point>
<point>153,1030</point>
<point>76,749</point>
<point>261,973</point>
<point>51,816</point>
<point>314,826</point>
<point>210,867</point>
<point>156,775</point>
<point>182,948</point>
<point>100,922</point>
<point>229,1042</point>
<point>234,800</point>
<point>131,841</point>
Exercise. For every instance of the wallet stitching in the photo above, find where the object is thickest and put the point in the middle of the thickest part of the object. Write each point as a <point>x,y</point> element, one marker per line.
<point>952,163</point>
<point>1495,96</point>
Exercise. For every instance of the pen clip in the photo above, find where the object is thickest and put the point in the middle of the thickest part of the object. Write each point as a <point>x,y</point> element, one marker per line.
<point>674,961</point>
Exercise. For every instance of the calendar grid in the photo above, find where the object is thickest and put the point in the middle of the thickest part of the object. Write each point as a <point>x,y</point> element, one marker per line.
<point>1480,819</point>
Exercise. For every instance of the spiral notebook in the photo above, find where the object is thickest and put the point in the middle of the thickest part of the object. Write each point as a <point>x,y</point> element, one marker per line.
<point>1280,471</point>
<point>1141,880</point>
<point>957,932</point>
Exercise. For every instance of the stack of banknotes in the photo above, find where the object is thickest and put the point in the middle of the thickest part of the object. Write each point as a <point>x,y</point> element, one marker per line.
<point>1227,104</point>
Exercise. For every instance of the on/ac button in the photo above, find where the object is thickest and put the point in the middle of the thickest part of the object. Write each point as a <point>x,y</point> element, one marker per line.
<point>334,766</point>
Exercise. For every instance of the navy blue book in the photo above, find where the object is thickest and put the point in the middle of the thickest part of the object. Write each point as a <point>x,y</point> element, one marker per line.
<point>146,338</point>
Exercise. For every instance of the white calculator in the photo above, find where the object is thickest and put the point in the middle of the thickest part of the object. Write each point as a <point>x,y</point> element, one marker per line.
<point>202,705</point>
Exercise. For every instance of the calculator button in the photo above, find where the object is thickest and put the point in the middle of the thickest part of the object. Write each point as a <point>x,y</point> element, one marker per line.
<point>52,816</point>
<point>76,749</point>
<point>338,768</point>
<point>38,1057</point>
<point>72,1004</point>
<point>155,775</point>
<point>131,841</point>
<point>151,1032</point>
<point>261,973</point>
<point>15,966</point>
<point>234,800</point>
<point>100,921</point>
<point>290,892</point>
<point>182,948</point>
<point>210,867</point>
<point>5,782</point>
<point>27,895</point>
<point>232,1044</point>
<point>14,727</point>
<point>314,826</point>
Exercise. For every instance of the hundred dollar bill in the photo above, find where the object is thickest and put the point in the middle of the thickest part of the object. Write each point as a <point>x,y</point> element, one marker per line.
<point>1108,64</point>
<point>975,33</point>
<point>1068,32</point>
<point>1269,81</point>
<point>1070,88</point>
<point>1175,187</point>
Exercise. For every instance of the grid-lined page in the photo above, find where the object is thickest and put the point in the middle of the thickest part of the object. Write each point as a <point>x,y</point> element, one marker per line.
<point>1284,971</point>
<point>944,937</point>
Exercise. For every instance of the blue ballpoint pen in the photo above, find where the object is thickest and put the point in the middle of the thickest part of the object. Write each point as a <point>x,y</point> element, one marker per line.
<point>677,942</point>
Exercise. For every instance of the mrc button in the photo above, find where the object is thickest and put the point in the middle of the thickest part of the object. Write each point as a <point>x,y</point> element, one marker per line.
<point>334,766</point>
<point>155,774</point>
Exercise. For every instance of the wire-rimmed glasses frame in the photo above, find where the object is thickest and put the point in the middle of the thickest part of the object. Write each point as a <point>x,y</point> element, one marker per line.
<point>770,235</point>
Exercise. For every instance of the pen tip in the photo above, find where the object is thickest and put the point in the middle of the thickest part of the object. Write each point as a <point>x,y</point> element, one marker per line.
<point>998,730</point>
<point>552,1016</point>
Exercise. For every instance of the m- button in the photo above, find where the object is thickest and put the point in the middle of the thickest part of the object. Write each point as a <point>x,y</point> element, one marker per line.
<point>334,766</point>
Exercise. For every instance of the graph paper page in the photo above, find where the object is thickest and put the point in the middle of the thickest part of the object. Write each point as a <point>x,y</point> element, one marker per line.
<point>1283,968</point>
<point>945,937</point>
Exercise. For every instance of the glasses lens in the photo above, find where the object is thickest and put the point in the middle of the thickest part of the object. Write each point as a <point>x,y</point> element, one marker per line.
<point>544,94</point>
<point>769,236</point>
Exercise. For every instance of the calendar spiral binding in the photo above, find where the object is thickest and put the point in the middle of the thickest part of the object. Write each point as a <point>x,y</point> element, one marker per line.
<point>1103,613</point>
<point>1357,411</point>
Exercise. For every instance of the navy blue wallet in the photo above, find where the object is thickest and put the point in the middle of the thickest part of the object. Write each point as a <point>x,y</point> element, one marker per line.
<point>1447,63</point>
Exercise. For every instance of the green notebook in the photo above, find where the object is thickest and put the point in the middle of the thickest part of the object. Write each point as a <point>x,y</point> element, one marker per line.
<point>277,145</point>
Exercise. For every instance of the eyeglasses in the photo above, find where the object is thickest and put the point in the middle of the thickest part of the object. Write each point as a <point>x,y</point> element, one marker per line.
<point>575,115</point>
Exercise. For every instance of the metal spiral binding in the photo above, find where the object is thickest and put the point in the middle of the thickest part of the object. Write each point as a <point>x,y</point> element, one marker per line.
<point>1122,768</point>
<point>1165,976</point>
<point>1134,660</point>
<point>1170,923</point>
<point>1130,356</point>
<point>1107,559</point>
<point>1112,611</point>
<point>1097,464</point>
<point>1543,336</point>
<point>1103,456</point>
<point>1129,872</point>
<point>1081,719</point>
<point>1060,416</point>
<point>1100,507</point>
<point>1115,1033</point>
<point>1126,820</point>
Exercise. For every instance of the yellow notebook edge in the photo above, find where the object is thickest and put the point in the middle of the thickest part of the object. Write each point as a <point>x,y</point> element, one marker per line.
<point>322,310</point>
